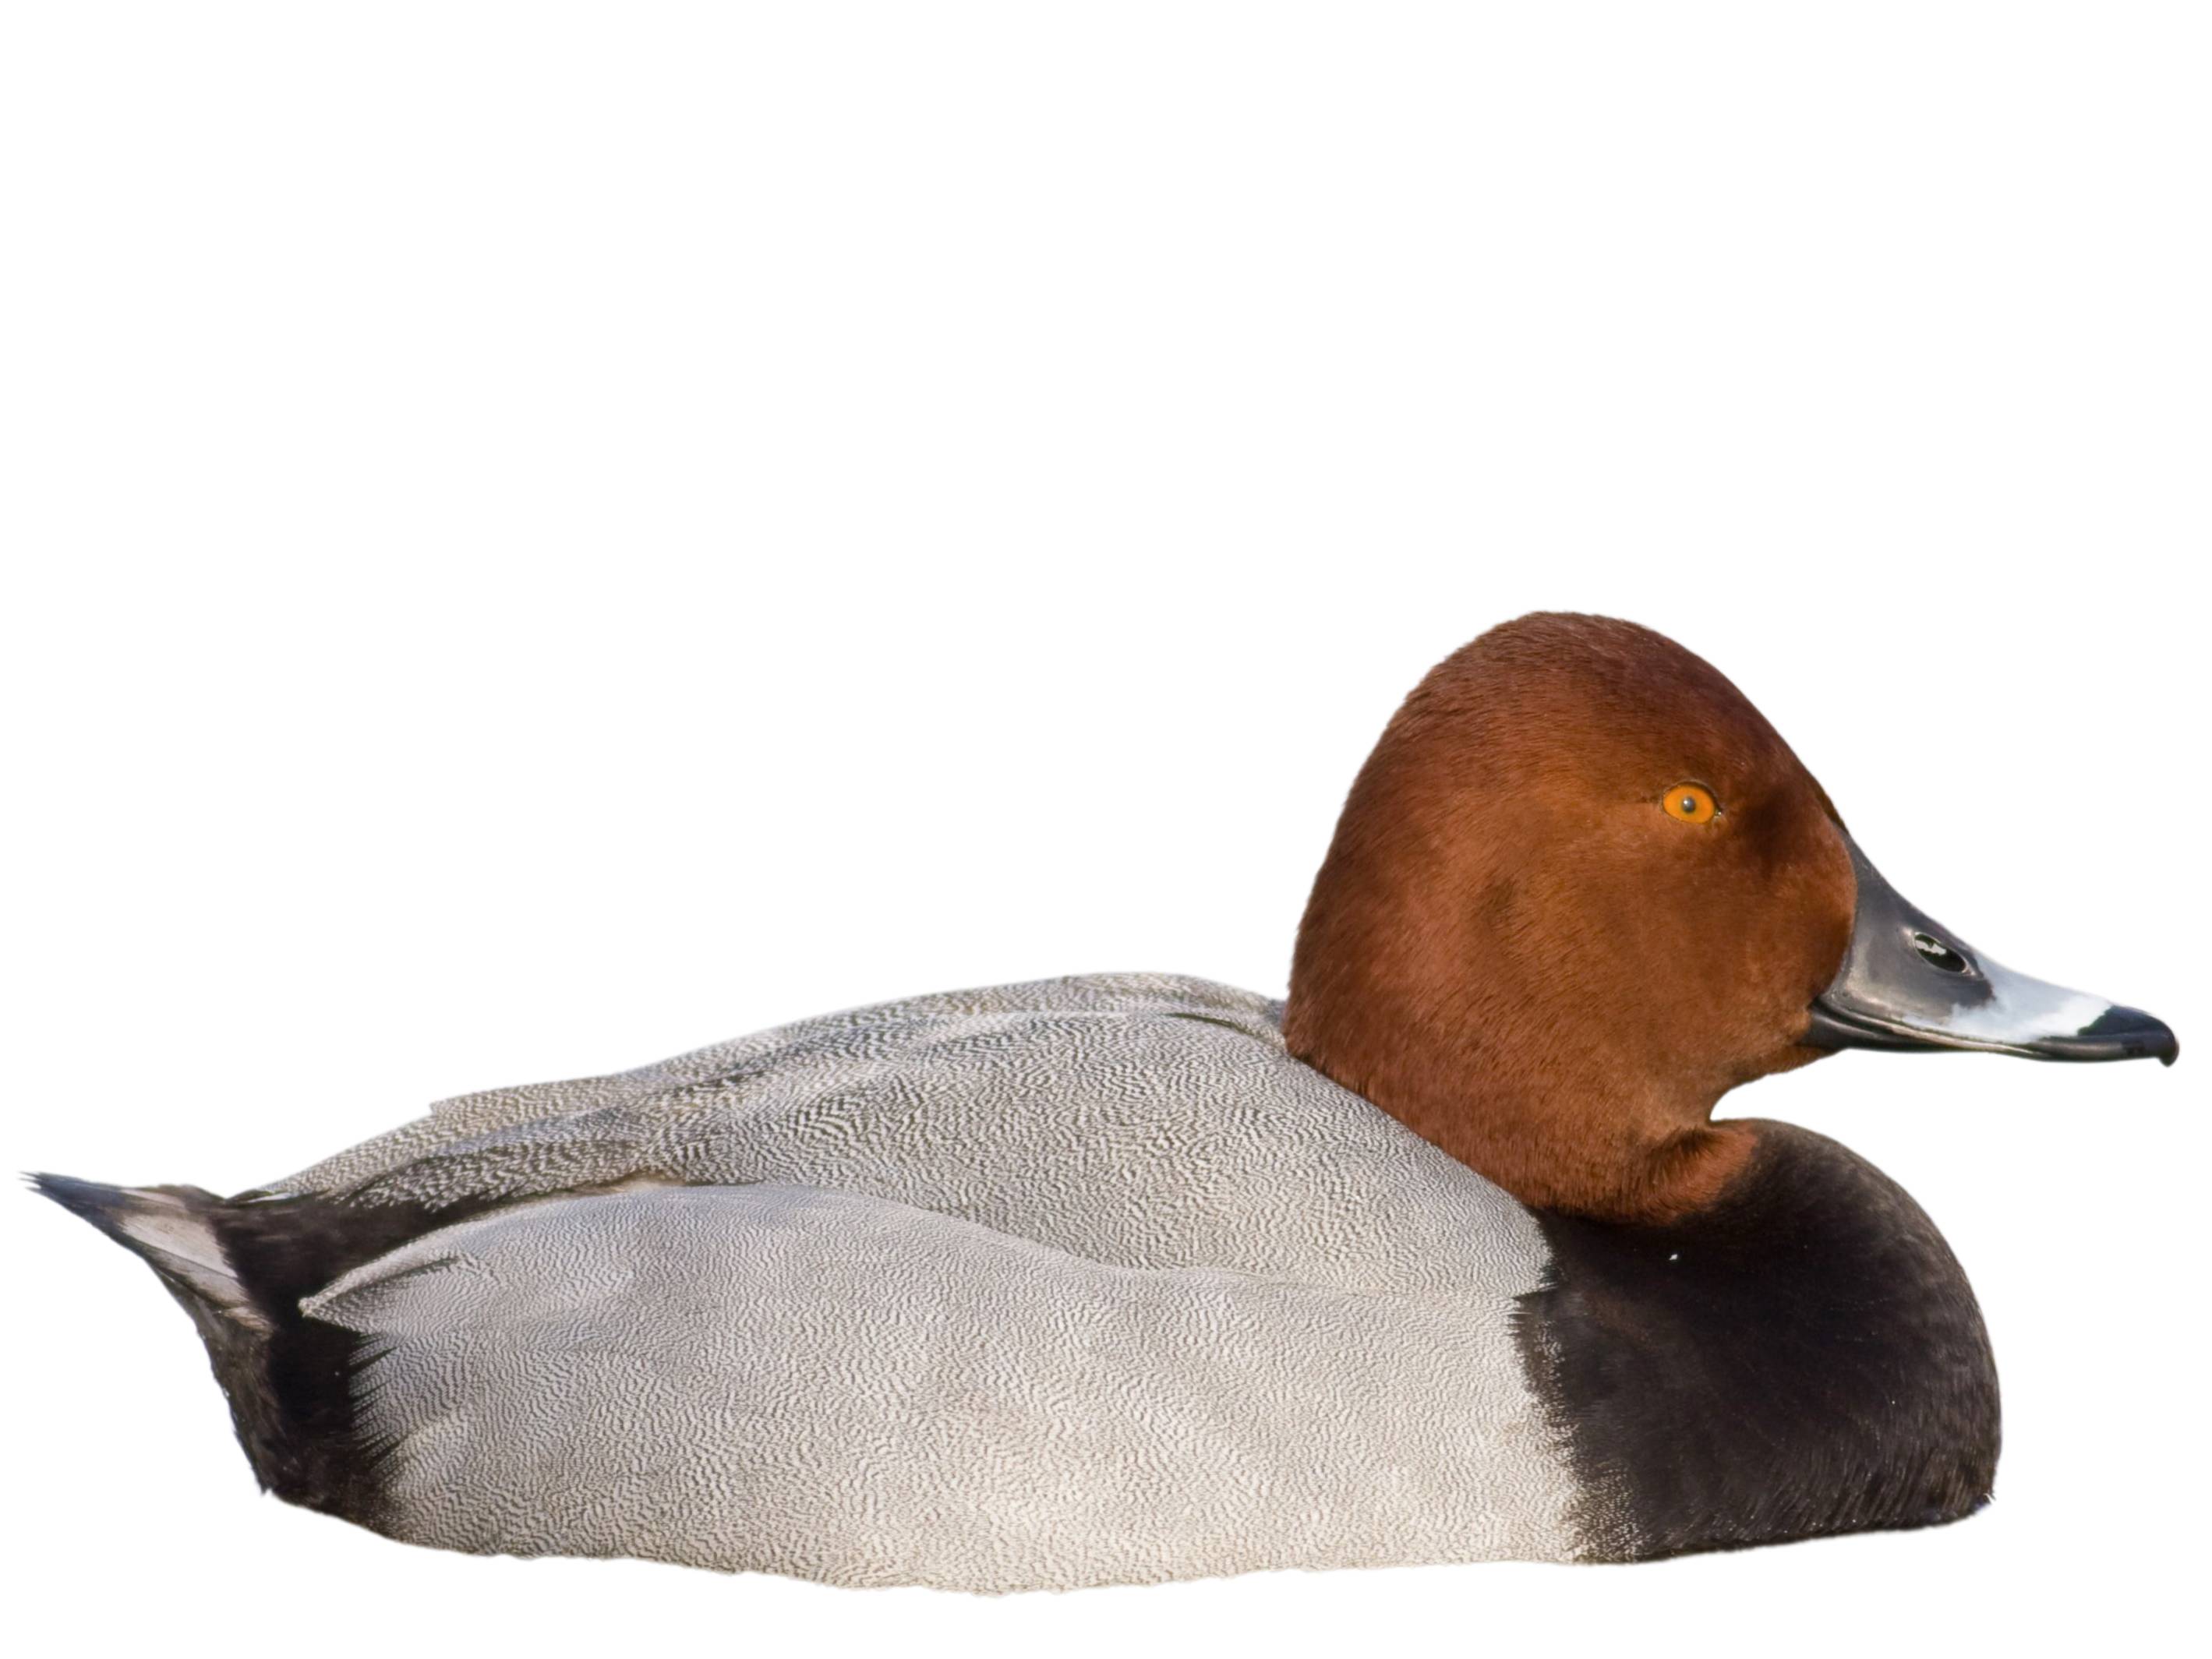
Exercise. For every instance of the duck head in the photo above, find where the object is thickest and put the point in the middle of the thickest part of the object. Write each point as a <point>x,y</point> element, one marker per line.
<point>1582,889</point>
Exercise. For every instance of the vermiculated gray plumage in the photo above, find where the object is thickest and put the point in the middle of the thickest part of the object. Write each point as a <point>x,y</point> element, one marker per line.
<point>1077,1282</point>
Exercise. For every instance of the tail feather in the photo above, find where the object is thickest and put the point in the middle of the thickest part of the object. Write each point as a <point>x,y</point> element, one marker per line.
<point>239,1269</point>
<point>173,1229</point>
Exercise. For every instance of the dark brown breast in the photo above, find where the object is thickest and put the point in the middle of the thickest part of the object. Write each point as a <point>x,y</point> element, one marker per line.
<point>1803,1357</point>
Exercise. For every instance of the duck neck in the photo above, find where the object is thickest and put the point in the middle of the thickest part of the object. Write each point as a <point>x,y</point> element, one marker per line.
<point>1564,1128</point>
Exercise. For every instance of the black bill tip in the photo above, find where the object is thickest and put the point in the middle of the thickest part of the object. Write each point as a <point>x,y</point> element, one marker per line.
<point>2119,1034</point>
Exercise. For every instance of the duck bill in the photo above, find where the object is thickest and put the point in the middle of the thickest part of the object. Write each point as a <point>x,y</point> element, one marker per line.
<point>1908,982</point>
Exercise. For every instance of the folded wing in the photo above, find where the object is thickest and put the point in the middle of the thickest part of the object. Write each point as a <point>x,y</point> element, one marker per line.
<point>783,1378</point>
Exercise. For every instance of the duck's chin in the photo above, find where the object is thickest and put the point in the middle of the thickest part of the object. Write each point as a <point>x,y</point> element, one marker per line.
<point>1784,1056</point>
<point>1789,1059</point>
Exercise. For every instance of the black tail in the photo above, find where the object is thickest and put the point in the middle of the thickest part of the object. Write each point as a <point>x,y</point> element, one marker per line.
<point>239,1267</point>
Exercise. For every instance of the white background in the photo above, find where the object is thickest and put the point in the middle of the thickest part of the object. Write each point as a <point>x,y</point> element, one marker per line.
<point>541,538</point>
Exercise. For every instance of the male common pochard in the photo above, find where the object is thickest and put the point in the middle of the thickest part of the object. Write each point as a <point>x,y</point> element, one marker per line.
<point>1128,1276</point>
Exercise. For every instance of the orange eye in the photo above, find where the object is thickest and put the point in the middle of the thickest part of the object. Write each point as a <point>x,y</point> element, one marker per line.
<point>1690,802</point>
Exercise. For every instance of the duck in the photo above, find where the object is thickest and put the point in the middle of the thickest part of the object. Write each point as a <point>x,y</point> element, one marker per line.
<point>1128,1277</point>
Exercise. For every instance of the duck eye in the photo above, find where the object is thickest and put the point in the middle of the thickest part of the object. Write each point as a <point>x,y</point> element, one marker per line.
<point>1691,803</point>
